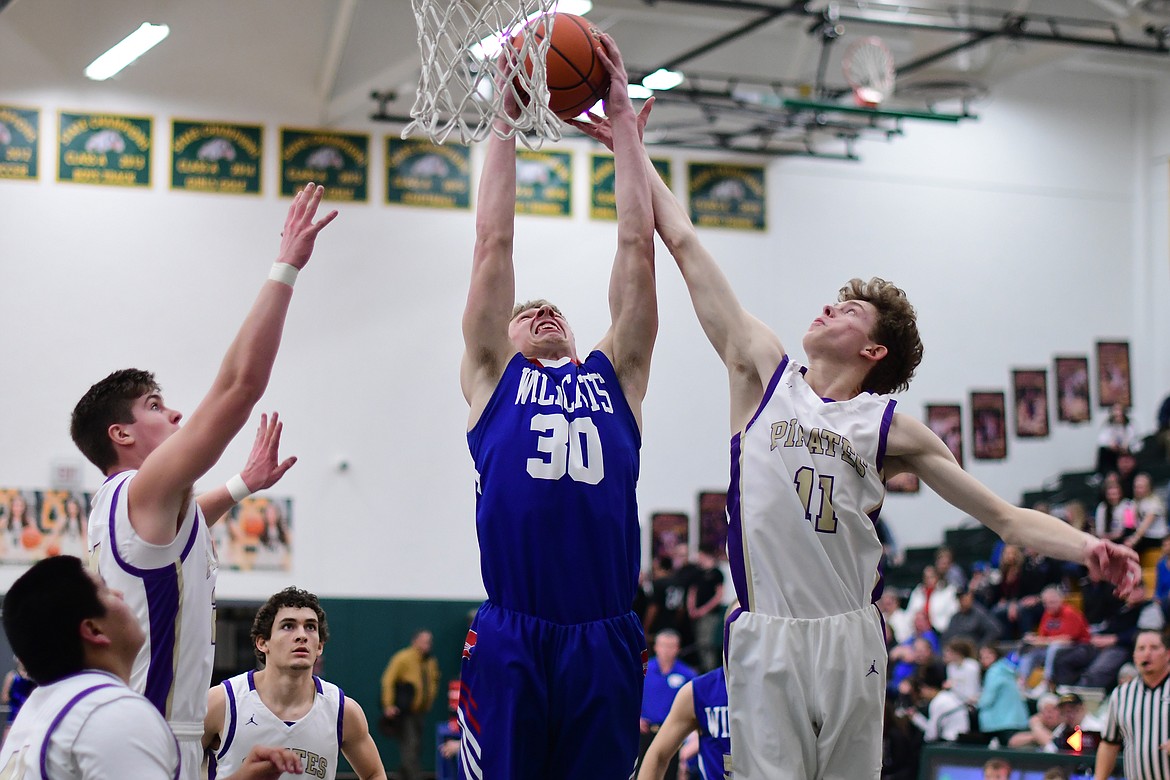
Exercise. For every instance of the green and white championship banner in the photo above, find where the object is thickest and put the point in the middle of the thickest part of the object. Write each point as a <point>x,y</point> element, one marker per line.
<point>19,142</point>
<point>420,173</point>
<point>728,196</point>
<point>544,183</point>
<point>111,149</point>
<point>339,161</point>
<point>216,157</point>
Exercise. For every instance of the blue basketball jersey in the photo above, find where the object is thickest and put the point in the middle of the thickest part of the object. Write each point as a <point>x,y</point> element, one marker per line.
<point>556,459</point>
<point>710,694</point>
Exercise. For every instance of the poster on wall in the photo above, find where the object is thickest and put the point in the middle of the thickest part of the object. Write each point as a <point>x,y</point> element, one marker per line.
<point>339,161</point>
<point>1113,385</point>
<point>19,143</point>
<point>988,425</point>
<point>713,522</point>
<point>544,183</point>
<point>256,535</point>
<point>946,420</point>
<point>1030,397</point>
<point>216,157</point>
<point>602,201</point>
<point>39,524</point>
<point>110,149</point>
<point>420,173</point>
<point>906,482</point>
<point>667,531</point>
<point>727,196</point>
<point>1072,389</point>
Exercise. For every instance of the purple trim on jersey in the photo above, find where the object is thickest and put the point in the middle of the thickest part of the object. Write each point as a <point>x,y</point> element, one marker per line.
<point>162,609</point>
<point>211,766</point>
<point>231,724</point>
<point>134,570</point>
<point>317,683</point>
<point>727,629</point>
<point>771,388</point>
<point>60,717</point>
<point>883,432</point>
<point>880,586</point>
<point>340,714</point>
<point>735,530</point>
<point>251,679</point>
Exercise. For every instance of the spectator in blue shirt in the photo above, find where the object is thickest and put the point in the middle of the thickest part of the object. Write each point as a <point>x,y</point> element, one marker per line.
<point>665,675</point>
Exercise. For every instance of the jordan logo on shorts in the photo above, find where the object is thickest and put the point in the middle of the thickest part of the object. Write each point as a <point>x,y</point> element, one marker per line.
<point>872,668</point>
<point>469,643</point>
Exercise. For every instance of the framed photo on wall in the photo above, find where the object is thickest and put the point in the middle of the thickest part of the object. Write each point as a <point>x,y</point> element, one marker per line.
<point>1072,389</point>
<point>713,522</point>
<point>1030,391</point>
<point>989,425</point>
<point>1113,385</point>
<point>946,420</point>
<point>905,482</point>
<point>667,531</point>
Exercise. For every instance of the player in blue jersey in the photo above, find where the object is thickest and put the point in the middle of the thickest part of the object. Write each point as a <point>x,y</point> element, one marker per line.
<point>701,705</point>
<point>552,669</point>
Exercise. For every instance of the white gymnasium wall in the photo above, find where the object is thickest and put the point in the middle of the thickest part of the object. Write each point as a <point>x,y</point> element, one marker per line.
<point>1014,235</point>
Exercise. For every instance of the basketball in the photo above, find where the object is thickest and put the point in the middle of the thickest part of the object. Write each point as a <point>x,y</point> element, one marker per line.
<point>52,550</point>
<point>576,76</point>
<point>31,537</point>
<point>253,524</point>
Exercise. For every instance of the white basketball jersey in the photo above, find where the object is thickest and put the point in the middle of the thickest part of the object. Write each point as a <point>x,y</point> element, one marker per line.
<point>805,488</point>
<point>316,737</point>
<point>64,730</point>
<point>171,589</point>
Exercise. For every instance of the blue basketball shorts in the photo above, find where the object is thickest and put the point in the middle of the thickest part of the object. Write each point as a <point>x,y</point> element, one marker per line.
<point>540,700</point>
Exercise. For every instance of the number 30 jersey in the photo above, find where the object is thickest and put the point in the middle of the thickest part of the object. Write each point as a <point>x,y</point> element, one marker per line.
<point>806,487</point>
<point>556,459</point>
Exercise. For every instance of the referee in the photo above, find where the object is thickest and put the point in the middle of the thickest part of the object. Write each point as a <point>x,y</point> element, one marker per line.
<point>1139,716</point>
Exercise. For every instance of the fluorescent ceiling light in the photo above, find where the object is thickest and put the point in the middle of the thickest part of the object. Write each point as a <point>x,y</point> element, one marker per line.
<point>663,79</point>
<point>490,47</point>
<point>127,50</point>
<point>639,92</point>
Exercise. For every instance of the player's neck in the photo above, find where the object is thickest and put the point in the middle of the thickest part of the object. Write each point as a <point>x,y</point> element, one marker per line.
<point>287,693</point>
<point>834,380</point>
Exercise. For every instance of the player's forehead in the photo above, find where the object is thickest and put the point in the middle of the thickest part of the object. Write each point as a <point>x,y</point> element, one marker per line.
<point>295,615</point>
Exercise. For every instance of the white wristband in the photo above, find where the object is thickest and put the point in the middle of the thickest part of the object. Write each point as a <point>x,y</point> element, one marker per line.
<point>284,273</point>
<point>238,488</point>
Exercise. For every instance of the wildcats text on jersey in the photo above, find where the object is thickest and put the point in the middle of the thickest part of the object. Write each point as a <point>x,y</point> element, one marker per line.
<point>572,393</point>
<point>818,441</point>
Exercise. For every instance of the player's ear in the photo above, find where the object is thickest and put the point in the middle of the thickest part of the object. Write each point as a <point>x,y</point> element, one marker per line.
<point>93,634</point>
<point>874,352</point>
<point>120,435</point>
<point>262,645</point>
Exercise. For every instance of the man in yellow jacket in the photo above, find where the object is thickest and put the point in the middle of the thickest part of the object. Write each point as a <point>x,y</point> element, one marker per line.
<point>408,691</point>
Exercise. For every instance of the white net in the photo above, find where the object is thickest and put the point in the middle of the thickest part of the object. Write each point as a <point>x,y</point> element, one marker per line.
<point>462,72</point>
<point>869,69</point>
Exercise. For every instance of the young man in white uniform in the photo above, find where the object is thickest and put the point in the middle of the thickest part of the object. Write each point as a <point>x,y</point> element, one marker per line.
<point>284,703</point>
<point>83,722</point>
<point>148,534</point>
<point>811,448</point>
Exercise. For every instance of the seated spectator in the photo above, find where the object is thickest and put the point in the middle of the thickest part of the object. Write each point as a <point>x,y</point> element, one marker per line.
<point>1062,627</point>
<point>1041,725</point>
<point>1151,515</point>
<point>1162,578</point>
<point>899,622</point>
<point>947,715</point>
<point>1072,717</point>
<point>935,597</point>
<point>964,674</point>
<point>1095,665</point>
<point>972,622</point>
<point>997,769</point>
<point>1117,435</point>
<point>907,659</point>
<point>901,746</point>
<point>947,569</point>
<point>1116,515</point>
<point>1002,711</point>
<point>1015,599</point>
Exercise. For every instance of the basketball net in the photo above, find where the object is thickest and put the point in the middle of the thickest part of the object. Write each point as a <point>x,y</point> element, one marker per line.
<point>869,69</point>
<point>461,68</point>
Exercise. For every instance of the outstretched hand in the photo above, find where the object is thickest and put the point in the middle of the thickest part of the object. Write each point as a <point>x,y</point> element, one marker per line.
<point>268,763</point>
<point>600,129</point>
<point>300,231</point>
<point>618,100</point>
<point>264,467</point>
<point>1113,563</point>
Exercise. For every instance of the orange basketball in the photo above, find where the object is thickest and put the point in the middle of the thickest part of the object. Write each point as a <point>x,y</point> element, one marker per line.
<point>31,537</point>
<point>253,524</point>
<point>576,76</point>
<point>53,549</point>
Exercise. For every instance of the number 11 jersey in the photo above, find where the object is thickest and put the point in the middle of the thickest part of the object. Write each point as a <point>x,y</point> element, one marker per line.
<point>806,487</point>
<point>556,459</point>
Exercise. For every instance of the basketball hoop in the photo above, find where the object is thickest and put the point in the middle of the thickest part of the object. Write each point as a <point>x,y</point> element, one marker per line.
<point>869,69</point>
<point>461,68</point>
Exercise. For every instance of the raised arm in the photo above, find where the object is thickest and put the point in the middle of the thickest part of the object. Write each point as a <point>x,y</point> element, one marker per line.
<point>358,746</point>
<point>162,487</point>
<point>911,446</point>
<point>633,303</point>
<point>263,470</point>
<point>492,292</point>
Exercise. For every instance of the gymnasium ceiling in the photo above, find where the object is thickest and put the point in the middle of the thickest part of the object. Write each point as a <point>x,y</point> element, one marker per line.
<point>743,59</point>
